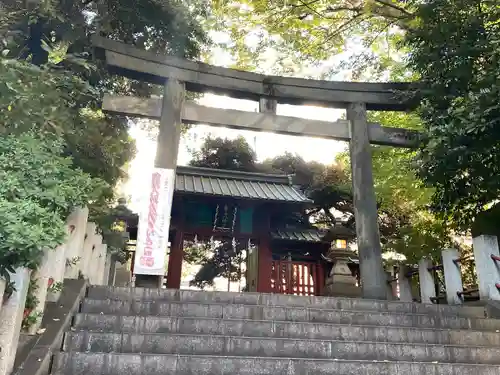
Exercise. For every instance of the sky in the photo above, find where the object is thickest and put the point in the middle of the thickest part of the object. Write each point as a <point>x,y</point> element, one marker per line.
<point>266,145</point>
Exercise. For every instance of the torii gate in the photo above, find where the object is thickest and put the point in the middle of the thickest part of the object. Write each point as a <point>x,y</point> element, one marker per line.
<point>178,74</point>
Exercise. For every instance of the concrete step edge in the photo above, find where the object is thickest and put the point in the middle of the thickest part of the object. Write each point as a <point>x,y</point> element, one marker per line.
<point>214,357</point>
<point>398,313</point>
<point>259,296</point>
<point>347,342</point>
<point>307,323</point>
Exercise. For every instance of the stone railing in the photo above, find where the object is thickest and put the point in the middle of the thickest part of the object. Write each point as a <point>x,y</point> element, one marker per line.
<point>486,259</point>
<point>83,255</point>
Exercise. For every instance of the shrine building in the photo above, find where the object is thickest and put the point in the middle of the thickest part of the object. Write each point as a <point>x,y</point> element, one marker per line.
<point>285,253</point>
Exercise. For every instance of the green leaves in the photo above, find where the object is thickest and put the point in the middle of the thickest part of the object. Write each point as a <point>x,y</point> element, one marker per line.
<point>459,62</point>
<point>292,36</point>
<point>225,153</point>
<point>38,189</point>
<point>57,149</point>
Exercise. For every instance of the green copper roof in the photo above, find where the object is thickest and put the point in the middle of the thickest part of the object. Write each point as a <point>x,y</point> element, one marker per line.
<point>300,235</point>
<point>237,184</point>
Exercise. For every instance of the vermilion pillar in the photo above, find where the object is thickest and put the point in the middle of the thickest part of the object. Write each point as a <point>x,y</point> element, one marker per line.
<point>265,263</point>
<point>174,270</point>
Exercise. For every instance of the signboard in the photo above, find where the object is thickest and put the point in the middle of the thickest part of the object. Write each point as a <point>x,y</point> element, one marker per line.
<point>154,224</point>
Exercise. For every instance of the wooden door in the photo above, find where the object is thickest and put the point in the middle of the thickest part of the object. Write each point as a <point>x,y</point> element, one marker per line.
<point>297,278</point>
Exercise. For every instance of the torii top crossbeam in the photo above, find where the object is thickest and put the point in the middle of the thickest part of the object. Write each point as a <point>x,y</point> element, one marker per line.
<point>147,66</point>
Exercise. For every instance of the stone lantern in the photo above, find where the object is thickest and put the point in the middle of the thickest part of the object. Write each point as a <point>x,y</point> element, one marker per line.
<point>340,282</point>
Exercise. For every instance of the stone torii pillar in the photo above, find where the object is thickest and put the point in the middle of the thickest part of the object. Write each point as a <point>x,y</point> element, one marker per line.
<point>373,277</point>
<point>166,157</point>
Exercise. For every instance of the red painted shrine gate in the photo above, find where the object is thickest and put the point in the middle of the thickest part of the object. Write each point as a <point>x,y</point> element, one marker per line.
<point>263,211</point>
<point>283,254</point>
<point>294,277</point>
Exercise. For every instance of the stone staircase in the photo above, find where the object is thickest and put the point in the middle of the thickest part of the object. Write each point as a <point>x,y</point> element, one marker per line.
<point>123,331</point>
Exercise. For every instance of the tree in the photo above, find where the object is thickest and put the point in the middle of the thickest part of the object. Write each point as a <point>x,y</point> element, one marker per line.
<point>221,258</point>
<point>37,99</point>
<point>459,65</point>
<point>327,186</point>
<point>225,153</point>
<point>53,38</point>
<point>38,189</point>
<point>309,32</point>
<point>57,34</point>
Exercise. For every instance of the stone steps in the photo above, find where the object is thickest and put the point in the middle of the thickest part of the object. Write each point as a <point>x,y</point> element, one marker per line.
<point>328,303</point>
<point>124,331</point>
<point>276,347</point>
<point>284,313</point>
<point>280,329</point>
<point>75,363</point>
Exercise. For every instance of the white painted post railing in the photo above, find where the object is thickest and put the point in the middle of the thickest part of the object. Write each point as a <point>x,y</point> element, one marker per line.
<point>404,284</point>
<point>87,252</point>
<point>11,318</point>
<point>83,252</point>
<point>107,269</point>
<point>2,290</point>
<point>487,259</point>
<point>57,261</point>
<point>102,251</point>
<point>77,223</point>
<point>426,280</point>
<point>93,266</point>
<point>452,276</point>
<point>41,276</point>
<point>391,286</point>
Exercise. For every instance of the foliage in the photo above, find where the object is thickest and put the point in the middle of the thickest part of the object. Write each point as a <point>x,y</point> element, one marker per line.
<point>328,186</point>
<point>59,89</point>
<point>112,222</point>
<point>224,153</point>
<point>55,287</point>
<point>221,258</point>
<point>459,66</point>
<point>30,319</point>
<point>302,33</point>
<point>295,34</point>
<point>407,225</point>
<point>30,304</point>
<point>39,182</point>
<point>46,101</point>
<point>38,189</point>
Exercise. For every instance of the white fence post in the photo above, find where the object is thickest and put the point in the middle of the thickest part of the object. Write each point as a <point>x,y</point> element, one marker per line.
<point>88,243</point>
<point>452,276</point>
<point>426,281</point>
<point>2,290</point>
<point>57,261</point>
<point>405,292</point>
<point>77,223</point>
<point>103,249</point>
<point>11,318</point>
<point>93,266</point>
<point>486,255</point>
<point>107,268</point>
<point>391,295</point>
<point>41,276</point>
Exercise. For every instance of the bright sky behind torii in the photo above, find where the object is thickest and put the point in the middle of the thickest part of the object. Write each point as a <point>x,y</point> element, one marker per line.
<point>266,145</point>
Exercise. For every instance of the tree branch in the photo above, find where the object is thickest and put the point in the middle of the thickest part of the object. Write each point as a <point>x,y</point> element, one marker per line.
<point>329,215</point>
<point>404,12</point>
<point>394,6</point>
